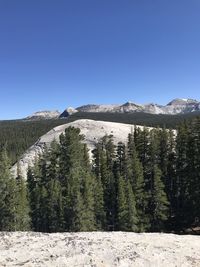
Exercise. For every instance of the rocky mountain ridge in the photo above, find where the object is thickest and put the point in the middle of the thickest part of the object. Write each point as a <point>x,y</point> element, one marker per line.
<point>176,106</point>
<point>46,114</point>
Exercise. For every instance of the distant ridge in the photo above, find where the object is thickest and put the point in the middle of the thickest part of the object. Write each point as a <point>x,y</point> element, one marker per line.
<point>46,114</point>
<point>174,107</point>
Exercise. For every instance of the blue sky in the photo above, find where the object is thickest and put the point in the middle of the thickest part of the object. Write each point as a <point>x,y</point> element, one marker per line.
<point>60,53</point>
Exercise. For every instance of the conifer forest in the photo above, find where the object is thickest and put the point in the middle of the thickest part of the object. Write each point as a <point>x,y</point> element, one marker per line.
<point>149,184</point>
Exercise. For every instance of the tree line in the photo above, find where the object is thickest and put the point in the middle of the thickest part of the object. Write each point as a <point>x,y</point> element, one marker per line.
<point>19,135</point>
<point>150,184</point>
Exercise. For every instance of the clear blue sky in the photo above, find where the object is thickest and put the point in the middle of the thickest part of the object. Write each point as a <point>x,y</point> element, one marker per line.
<point>59,53</point>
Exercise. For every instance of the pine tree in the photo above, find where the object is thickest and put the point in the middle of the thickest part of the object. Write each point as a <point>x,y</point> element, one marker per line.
<point>34,185</point>
<point>122,207</point>
<point>89,217</point>
<point>104,158</point>
<point>122,159</point>
<point>136,178</point>
<point>71,152</point>
<point>22,218</point>
<point>132,224</point>
<point>77,181</point>
<point>192,192</point>
<point>4,176</point>
<point>163,153</point>
<point>127,219</point>
<point>7,194</point>
<point>99,207</point>
<point>182,177</point>
<point>170,180</point>
<point>98,187</point>
<point>54,207</point>
<point>158,202</point>
<point>74,202</point>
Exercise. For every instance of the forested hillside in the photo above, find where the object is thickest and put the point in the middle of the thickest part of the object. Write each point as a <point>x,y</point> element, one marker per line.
<point>150,184</point>
<point>19,135</point>
<point>137,118</point>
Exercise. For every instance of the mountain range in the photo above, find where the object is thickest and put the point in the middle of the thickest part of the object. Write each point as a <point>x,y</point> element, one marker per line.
<point>174,107</point>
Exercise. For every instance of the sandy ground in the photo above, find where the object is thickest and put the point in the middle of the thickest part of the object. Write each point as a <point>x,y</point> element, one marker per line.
<point>98,249</point>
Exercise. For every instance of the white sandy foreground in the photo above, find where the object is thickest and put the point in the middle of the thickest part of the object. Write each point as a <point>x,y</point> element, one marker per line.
<point>98,249</point>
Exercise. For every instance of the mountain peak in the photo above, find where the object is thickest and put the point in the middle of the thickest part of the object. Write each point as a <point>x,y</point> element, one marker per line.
<point>130,103</point>
<point>44,114</point>
<point>182,101</point>
<point>67,112</point>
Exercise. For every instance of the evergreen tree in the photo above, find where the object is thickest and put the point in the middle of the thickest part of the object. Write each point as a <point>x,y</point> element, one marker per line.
<point>7,194</point>
<point>99,171</point>
<point>192,192</point>
<point>76,181</point>
<point>89,216</point>
<point>127,219</point>
<point>170,180</point>
<point>36,196</point>
<point>122,206</point>
<point>22,218</point>
<point>182,177</point>
<point>104,157</point>
<point>132,212</point>
<point>122,159</point>
<point>99,207</point>
<point>136,178</point>
<point>55,206</point>
<point>158,202</point>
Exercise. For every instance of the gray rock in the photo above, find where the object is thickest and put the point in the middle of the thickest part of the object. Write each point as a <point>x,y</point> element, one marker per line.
<point>92,130</point>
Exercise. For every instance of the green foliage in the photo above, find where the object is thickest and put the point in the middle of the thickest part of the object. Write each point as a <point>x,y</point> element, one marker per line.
<point>14,206</point>
<point>149,184</point>
<point>19,135</point>
<point>22,210</point>
<point>122,205</point>
<point>158,203</point>
<point>137,118</point>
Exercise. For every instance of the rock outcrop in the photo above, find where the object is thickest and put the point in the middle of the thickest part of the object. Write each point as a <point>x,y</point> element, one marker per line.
<point>92,130</point>
<point>99,249</point>
<point>44,115</point>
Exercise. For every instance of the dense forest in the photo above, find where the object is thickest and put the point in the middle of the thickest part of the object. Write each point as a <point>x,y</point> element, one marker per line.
<point>150,184</point>
<point>19,135</point>
<point>137,118</point>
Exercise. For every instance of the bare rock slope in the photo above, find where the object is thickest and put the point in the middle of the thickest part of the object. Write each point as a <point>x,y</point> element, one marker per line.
<point>98,249</point>
<point>92,130</point>
<point>44,115</point>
